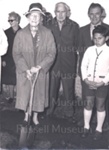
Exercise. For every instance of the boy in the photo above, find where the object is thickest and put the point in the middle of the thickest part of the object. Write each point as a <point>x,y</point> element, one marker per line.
<point>95,74</point>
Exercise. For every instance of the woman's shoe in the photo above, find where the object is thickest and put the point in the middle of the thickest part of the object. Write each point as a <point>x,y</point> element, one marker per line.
<point>24,123</point>
<point>35,122</point>
<point>34,125</point>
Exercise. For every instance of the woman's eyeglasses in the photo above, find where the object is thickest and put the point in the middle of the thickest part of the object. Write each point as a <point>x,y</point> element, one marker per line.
<point>11,20</point>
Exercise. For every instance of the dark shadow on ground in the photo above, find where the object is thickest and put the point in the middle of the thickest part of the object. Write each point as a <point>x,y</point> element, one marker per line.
<point>52,133</point>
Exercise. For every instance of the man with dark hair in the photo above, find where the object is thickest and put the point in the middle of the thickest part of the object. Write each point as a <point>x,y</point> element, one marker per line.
<point>94,5</point>
<point>85,39</point>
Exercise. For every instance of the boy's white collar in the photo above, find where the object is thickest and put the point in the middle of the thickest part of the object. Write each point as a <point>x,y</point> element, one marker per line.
<point>101,47</point>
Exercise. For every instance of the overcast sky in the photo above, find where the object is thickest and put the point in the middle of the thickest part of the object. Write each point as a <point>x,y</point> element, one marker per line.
<point>78,8</point>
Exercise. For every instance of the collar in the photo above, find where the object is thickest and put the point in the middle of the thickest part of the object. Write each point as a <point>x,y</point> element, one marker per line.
<point>16,30</point>
<point>103,47</point>
<point>66,22</point>
<point>93,26</point>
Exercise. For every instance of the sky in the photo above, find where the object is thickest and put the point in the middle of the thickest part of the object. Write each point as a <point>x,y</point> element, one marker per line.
<point>79,9</point>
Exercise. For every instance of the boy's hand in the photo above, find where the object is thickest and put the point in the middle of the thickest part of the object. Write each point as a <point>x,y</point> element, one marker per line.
<point>91,84</point>
<point>99,84</point>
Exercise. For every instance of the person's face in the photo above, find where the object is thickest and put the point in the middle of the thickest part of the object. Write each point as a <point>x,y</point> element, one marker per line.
<point>34,18</point>
<point>12,20</point>
<point>61,13</point>
<point>99,39</point>
<point>95,15</point>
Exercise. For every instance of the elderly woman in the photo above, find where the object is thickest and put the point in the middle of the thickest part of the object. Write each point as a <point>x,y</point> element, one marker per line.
<point>9,75</point>
<point>33,51</point>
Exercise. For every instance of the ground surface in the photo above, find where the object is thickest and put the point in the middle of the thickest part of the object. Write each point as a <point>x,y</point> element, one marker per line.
<point>52,133</point>
<point>55,132</point>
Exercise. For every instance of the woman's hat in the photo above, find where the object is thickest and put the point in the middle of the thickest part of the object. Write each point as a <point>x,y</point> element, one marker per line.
<point>35,7</point>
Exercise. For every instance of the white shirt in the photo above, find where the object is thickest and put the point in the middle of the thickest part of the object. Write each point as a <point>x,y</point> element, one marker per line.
<point>95,64</point>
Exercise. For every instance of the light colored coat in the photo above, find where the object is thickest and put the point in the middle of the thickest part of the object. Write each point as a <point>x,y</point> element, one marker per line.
<point>23,54</point>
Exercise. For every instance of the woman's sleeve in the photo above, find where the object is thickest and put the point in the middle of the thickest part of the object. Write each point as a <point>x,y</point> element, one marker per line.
<point>19,60</point>
<point>50,54</point>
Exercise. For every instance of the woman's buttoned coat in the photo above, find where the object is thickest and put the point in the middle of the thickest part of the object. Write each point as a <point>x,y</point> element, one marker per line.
<point>23,54</point>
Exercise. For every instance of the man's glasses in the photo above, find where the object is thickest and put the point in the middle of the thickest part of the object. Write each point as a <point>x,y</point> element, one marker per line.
<point>11,20</point>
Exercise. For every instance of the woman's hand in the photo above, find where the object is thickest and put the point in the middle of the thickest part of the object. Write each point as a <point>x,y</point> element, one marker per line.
<point>35,69</point>
<point>28,74</point>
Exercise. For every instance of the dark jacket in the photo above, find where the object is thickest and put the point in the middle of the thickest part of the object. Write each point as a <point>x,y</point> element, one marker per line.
<point>8,74</point>
<point>66,44</point>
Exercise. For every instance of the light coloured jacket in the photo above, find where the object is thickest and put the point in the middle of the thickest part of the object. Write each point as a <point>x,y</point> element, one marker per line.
<point>95,64</point>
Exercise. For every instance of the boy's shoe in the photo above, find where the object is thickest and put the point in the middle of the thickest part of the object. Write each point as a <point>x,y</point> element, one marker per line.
<point>85,133</point>
<point>106,126</point>
<point>97,135</point>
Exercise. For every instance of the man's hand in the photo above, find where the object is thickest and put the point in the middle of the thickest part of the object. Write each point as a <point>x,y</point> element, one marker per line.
<point>35,69</point>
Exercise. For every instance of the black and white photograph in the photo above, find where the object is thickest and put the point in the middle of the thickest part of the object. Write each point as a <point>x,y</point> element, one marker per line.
<point>54,74</point>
